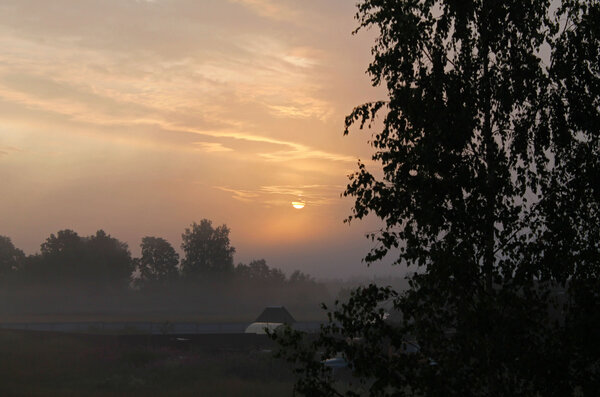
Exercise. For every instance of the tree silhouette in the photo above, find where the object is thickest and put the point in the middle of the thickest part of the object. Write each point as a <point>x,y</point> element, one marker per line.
<point>108,260</point>
<point>208,251</point>
<point>158,263</point>
<point>298,277</point>
<point>62,256</point>
<point>489,153</point>
<point>98,259</point>
<point>11,258</point>
<point>257,271</point>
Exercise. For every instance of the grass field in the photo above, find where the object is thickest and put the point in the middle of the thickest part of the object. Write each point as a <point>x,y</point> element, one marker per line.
<point>54,364</point>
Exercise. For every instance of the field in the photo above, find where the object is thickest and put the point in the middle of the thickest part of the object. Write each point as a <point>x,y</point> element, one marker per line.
<point>56,364</point>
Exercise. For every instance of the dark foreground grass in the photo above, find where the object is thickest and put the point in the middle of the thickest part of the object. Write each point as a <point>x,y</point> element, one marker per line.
<point>54,364</point>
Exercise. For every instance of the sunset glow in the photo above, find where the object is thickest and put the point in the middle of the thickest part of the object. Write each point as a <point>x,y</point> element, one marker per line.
<point>298,205</point>
<point>140,117</point>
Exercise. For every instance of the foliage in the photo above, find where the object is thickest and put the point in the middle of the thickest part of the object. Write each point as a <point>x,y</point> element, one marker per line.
<point>11,258</point>
<point>66,257</point>
<point>91,278</point>
<point>298,277</point>
<point>258,272</point>
<point>62,254</point>
<point>158,263</point>
<point>208,251</point>
<point>94,274</point>
<point>490,153</point>
<point>109,259</point>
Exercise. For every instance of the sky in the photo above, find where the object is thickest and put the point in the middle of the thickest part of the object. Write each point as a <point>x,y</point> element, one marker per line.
<point>140,117</point>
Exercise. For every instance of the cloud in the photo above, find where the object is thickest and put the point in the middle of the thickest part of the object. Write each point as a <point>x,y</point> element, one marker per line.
<point>231,96</point>
<point>284,195</point>
<point>301,152</point>
<point>212,147</point>
<point>306,111</point>
<point>317,194</point>
<point>299,61</point>
<point>241,195</point>
<point>269,9</point>
<point>89,108</point>
<point>297,151</point>
<point>6,150</point>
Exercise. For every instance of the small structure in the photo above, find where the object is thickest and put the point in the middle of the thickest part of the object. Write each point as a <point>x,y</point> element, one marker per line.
<point>336,362</point>
<point>275,314</point>
<point>261,328</point>
<point>270,319</point>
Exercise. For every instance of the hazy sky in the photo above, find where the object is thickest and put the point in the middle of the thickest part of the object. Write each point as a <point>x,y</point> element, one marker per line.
<point>140,117</point>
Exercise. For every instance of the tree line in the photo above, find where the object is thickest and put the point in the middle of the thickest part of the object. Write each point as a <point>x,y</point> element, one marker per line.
<point>104,261</point>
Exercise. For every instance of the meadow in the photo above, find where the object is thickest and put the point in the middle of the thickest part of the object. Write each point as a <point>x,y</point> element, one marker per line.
<point>57,364</point>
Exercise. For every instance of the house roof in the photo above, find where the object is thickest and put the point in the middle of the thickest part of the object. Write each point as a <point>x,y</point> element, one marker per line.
<point>275,314</point>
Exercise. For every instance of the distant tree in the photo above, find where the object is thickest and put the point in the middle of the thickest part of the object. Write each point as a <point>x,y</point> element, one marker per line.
<point>299,277</point>
<point>159,261</point>
<point>107,259</point>
<point>65,242</point>
<point>11,258</point>
<point>489,155</point>
<point>208,251</point>
<point>62,256</point>
<point>98,259</point>
<point>257,271</point>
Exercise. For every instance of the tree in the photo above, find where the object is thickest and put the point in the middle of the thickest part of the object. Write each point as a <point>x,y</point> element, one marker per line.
<point>11,258</point>
<point>489,152</point>
<point>62,255</point>
<point>99,259</point>
<point>108,260</point>
<point>257,271</point>
<point>298,277</point>
<point>208,251</point>
<point>159,261</point>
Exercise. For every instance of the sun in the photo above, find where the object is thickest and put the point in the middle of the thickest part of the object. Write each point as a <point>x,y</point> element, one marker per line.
<point>298,204</point>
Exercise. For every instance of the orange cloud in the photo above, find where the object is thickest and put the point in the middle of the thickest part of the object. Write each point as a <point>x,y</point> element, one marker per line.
<point>212,147</point>
<point>268,8</point>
